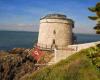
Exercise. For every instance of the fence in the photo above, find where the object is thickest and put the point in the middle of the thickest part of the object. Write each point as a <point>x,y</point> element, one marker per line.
<point>58,47</point>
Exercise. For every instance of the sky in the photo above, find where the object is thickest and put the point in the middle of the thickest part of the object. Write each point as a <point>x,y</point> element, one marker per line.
<point>24,15</point>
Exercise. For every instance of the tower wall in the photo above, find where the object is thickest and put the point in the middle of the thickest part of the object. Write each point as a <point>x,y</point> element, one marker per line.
<point>55,31</point>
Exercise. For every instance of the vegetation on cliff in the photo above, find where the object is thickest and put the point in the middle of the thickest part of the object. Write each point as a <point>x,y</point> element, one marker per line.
<point>84,65</point>
<point>18,62</point>
<point>15,64</point>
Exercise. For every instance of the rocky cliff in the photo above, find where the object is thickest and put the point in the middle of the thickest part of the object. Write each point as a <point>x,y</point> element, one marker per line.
<point>16,63</point>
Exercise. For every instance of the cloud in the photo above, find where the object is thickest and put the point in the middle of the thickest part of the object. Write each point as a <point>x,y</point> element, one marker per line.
<point>35,28</point>
<point>84,29</point>
<point>19,27</point>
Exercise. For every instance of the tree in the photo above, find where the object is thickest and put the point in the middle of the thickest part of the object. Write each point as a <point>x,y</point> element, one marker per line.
<point>96,10</point>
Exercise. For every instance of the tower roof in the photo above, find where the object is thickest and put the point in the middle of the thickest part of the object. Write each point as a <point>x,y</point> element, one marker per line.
<point>54,16</point>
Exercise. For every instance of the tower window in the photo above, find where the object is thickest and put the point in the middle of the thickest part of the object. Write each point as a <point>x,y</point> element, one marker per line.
<point>54,32</point>
<point>53,41</point>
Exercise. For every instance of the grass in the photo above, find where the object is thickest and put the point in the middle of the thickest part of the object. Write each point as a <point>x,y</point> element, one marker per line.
<point>79,66</point>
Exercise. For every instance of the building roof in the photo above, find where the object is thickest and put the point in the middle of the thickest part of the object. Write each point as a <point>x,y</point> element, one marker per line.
<point>54,16</point>
<point>58,16</point>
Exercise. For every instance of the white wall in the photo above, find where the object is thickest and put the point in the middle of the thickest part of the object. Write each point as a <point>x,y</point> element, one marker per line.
<point>63,29</point>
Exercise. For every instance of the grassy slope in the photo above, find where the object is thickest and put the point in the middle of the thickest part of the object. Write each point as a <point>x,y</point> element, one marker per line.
<point>77,67</point>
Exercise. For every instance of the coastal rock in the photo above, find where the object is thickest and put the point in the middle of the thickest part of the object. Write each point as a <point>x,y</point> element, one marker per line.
<point>16,63</point>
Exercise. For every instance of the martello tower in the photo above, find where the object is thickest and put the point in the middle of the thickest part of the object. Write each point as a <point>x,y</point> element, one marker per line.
<point>55,31</point>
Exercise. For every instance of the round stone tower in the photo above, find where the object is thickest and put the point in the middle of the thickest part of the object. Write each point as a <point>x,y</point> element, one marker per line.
<point>55,31</point>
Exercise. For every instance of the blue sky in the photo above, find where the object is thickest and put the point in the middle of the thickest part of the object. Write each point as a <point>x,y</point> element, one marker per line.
<point>24,15</point>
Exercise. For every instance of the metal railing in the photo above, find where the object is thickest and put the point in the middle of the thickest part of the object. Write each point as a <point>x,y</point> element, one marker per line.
<point>59,47</point>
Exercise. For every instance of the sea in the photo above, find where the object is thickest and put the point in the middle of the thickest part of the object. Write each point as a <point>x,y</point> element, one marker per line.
<point>22,39</point>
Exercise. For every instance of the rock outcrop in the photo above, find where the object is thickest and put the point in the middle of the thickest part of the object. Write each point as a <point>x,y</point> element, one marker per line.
<point>16,63</point>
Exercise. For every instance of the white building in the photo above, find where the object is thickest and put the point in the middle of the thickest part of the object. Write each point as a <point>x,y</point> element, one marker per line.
<point>55,31</point>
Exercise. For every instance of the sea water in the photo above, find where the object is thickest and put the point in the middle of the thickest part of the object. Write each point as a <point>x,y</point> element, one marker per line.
<point>21,39</point>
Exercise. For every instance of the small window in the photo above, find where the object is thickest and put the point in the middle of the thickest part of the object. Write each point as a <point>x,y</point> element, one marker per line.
<point>54,32</point>
<point>53,41</point>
